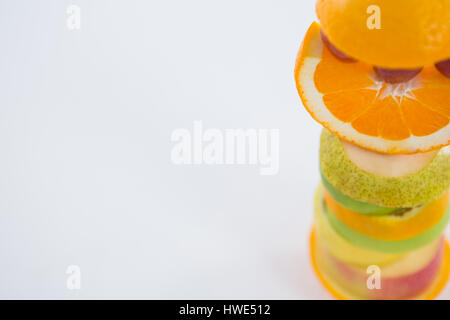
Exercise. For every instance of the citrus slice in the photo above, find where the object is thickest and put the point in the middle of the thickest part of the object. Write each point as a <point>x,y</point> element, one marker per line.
<point>350,101</point>
<point>391,227</point>
<point>395,246</point>
<point>388,33</point>
<point>341,248</point>
<point>323,237</point>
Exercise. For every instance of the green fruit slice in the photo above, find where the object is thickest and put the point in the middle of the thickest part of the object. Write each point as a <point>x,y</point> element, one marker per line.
<point>398,246</point>
<point>393,192</point>
<point>341,248</point>
<point>355,205</point>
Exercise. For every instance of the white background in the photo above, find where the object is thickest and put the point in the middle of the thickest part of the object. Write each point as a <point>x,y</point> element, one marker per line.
<point>85,171</point>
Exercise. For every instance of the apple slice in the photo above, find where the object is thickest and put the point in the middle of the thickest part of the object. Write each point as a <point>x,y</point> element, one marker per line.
<point>400,286</point>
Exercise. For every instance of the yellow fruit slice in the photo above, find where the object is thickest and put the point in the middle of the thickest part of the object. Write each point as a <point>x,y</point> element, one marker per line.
<point>341,248</point>
<point>348,100</point>
<point>413,261</point>
<point>338,291</point>
<point>388,33</point>
<point>391,227</point>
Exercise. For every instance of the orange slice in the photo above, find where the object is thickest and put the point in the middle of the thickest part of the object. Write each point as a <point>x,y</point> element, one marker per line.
<point>394,34</point>
<point>348,100</point>
<point>391,227</point>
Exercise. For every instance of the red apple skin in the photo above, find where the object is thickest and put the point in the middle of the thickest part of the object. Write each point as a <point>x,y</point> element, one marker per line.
<point>398,288</point>
<point>396,75</point>
<point>444,67</point>
<point>410,286</point>
<point>335,51</point>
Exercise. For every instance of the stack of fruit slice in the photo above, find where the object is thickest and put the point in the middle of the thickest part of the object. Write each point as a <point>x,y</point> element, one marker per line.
<point>370,213</point>
<point>382,207</point>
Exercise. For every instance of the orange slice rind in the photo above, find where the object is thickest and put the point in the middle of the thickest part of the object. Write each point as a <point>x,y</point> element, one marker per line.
<point>391,34</point>
<point>347,99</point>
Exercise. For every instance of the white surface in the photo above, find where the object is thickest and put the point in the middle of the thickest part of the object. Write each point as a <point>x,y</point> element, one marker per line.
<point>85,171</point>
